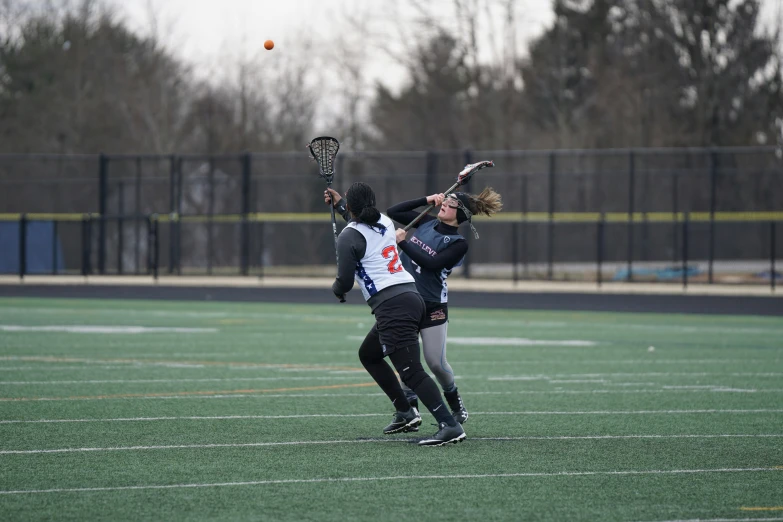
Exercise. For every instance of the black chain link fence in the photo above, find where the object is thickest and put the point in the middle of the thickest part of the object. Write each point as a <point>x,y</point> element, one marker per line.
<point>702,215</point>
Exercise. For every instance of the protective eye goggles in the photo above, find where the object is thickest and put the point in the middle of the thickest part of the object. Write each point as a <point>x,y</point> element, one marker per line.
<point>461,206</point>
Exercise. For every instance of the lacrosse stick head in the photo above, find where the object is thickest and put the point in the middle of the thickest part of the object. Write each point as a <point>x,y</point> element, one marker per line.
<point>324,150</point>
<point>472,168</point>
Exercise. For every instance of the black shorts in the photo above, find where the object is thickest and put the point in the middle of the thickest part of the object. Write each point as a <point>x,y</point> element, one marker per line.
<point>437,314</point>
<point>398,321</point>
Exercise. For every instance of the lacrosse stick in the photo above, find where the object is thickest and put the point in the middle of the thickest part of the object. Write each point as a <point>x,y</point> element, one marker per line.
<point>462,179</point>
<point>324,150</point>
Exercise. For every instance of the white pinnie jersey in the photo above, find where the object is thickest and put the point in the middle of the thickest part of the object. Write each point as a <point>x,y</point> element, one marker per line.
<point>380,267</point>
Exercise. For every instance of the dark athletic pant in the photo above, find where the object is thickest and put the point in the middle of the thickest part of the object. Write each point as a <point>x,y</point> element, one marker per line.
<point>396,335</point>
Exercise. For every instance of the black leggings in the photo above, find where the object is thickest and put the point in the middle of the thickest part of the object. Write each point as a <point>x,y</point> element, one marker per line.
<point>406,358</point>
<point>407,361</point>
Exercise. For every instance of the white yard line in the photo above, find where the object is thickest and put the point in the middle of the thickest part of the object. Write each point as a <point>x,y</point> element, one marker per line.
<point>639,374</point>
<point>353,415</point>
<point>230,395</point>
<point>525,324</point>
<point>724,520</point>
<point>130,360</point>
<point>398,478</point>
<point>103,329</point>
<point>349,375</point>
<point>61,368</point>
<point>504,341</point>
<point>173,313</point>
<point>577,381</point>
<point>355,375</point>
<point>608,362</point>
<point>364,441</point>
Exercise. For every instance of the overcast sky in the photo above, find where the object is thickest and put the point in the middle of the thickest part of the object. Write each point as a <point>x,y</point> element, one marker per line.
<point>208,32</point>
<point>215,36</point>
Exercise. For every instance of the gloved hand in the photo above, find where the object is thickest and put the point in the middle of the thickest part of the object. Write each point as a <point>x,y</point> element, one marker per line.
<point>332,196</point>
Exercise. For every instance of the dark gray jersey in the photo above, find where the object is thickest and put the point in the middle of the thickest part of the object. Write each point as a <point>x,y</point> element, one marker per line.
<point>431,284</point>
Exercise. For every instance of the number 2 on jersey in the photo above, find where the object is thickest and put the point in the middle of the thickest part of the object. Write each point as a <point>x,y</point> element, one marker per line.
<point>394,265</point>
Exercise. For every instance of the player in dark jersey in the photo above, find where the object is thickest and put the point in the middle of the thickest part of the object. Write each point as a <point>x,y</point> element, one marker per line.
<point>367,254</point>
<point>430,254</point>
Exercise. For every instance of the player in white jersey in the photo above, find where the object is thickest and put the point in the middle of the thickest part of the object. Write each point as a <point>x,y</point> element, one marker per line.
<point>367,254</point>
<point>429,255</point>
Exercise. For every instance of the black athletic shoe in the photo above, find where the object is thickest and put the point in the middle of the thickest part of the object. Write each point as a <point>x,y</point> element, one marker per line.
<point>404,421</point>
<point>446,435</point>
<point>458,410</point>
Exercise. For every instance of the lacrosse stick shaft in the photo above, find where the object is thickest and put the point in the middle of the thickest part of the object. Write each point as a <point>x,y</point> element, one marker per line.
<point>334,225</point>
<point>334,231</point>
<point>430,207</point>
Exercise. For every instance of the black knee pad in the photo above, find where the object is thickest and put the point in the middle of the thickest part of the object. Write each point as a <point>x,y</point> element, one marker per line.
<point>412,374</point>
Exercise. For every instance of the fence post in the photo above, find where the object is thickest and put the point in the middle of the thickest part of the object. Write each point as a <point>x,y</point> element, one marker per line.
<point>103,189</point>
<point>120,224</point>
<point>631,208</point>
<point>22,245</point>
<point>675,206</point>
<point>600,249</point>
<point>179,213</point>
<point>685,250</point>
<point>54,247</point>
<point>173,163</point>
<point>772,254</point>
<point>260,230</point>
<point>211,212</point>
<point>713,179</point>
<point>245,225</point>
<point>551,210</point>
<point>86,244</point>
<point>137,219</point>
<point>514,247</point>
<point>524,227</point>
<point>157,249</point>
<point>152,245</point>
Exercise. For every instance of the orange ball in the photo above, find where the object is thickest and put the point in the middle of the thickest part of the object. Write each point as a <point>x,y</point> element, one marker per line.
<point>268,45</point>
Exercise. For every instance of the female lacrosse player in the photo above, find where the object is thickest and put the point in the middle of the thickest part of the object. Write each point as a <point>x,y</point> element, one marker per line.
<point>430,254</point>
<point>367,252</point>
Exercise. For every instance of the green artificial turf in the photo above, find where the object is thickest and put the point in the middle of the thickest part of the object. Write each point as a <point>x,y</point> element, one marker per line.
<point>264,413</point>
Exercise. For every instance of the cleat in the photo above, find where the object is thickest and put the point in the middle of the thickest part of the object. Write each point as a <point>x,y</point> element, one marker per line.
<point>458,410</point>
<point>404,421</point>
<point>446,435</point>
